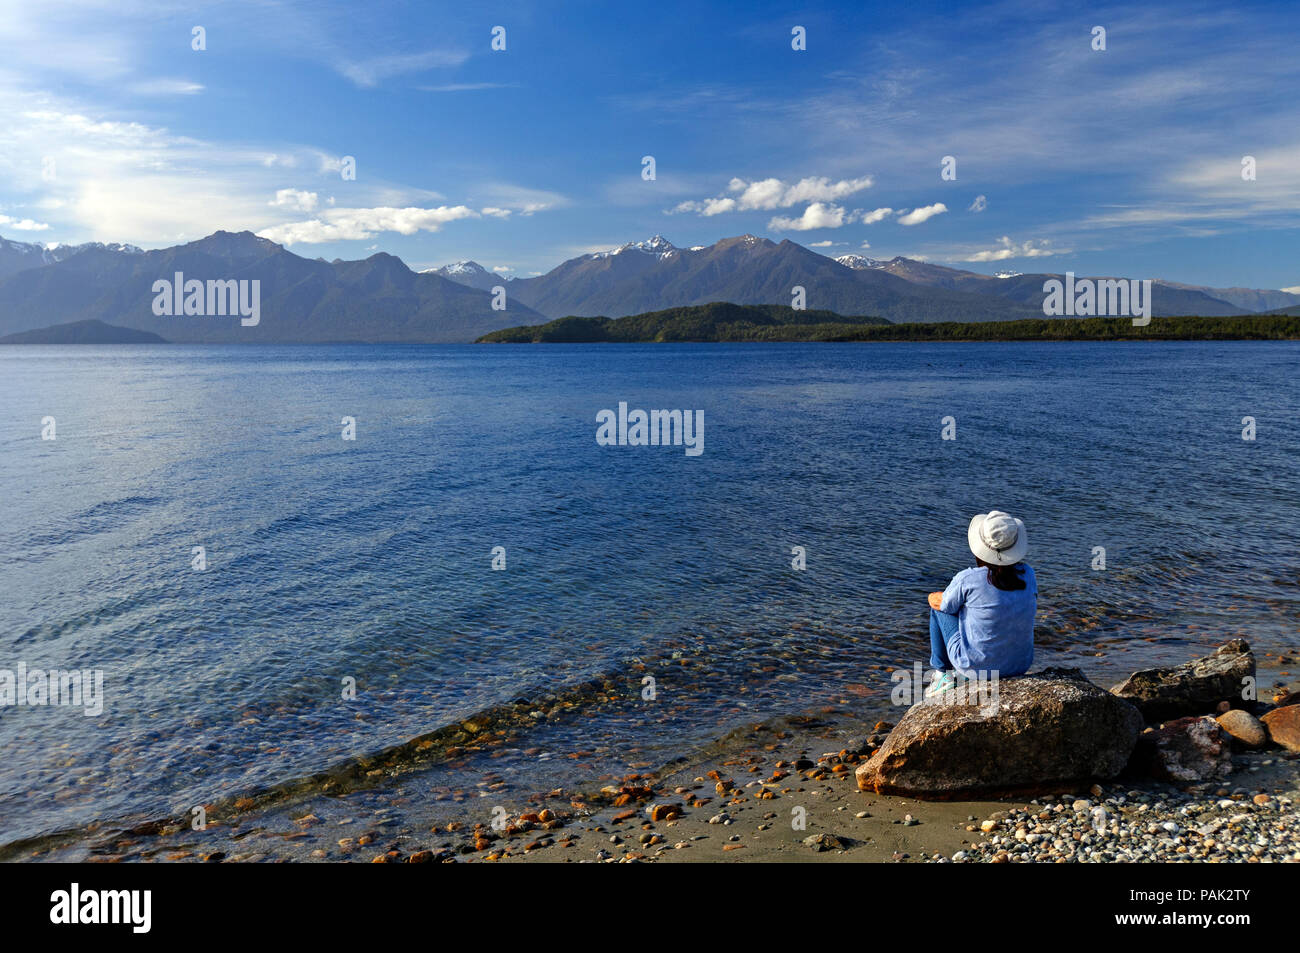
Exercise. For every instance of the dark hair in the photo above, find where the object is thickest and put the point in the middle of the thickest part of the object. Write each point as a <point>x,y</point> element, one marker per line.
<point>1006,578</point>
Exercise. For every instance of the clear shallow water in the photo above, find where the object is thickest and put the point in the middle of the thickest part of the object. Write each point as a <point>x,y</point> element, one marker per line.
<point>371,559</point>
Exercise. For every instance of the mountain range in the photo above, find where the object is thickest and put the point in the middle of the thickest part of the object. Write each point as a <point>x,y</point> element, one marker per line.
<point>301,299</point>
<point>655,275</point>
<point>380,299</point>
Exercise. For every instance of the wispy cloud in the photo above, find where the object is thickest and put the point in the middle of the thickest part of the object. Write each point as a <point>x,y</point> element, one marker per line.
<point>371,72</point>
<point>166,87</point>
<point>465,87</point>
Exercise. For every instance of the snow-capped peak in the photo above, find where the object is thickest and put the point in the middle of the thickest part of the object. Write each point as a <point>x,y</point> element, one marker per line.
<point>859,262</point>
<point>458,268</point>
<point>1007,274</point>
<point>656,245</point>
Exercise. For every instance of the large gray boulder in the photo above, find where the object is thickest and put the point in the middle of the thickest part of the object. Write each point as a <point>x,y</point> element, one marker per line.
<point>1048,732</point>
<point>1193,688</point>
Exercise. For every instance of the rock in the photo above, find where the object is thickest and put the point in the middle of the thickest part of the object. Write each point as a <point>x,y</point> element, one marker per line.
<point>1051,731</point>
<point>663,812</point>
<point>1185,749</point>
<point>1244,728</point>
<point>1283,726</point>
<point>821,842</point>
<point>858,744</point>
<point>1192,688</point>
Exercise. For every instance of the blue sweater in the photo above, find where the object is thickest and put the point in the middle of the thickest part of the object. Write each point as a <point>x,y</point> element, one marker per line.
<point>995,631</point>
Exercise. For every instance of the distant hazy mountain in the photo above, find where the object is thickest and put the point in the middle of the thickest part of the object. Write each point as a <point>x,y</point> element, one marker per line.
<point>1169,298</point>
<point>82,332</point>
<point>469,273</point>
<point>919,272</point>
<point>301,300</point>
<point>654,275</point>
<point>1245,299</point>
<point>19,256</point>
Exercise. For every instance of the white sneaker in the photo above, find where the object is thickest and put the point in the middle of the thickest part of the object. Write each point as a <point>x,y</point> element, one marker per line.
<point>945,682</point>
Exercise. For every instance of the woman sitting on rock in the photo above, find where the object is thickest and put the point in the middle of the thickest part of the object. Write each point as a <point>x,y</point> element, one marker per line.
<point>984,621</point>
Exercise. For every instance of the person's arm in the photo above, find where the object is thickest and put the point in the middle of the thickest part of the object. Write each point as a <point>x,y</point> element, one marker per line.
<point>952,598</point>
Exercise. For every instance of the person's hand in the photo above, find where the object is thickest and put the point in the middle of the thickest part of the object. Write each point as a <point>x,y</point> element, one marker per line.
<point>935,599</point>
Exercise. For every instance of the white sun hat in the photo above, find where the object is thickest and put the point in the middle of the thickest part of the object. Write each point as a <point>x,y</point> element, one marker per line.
<point>997,538</point>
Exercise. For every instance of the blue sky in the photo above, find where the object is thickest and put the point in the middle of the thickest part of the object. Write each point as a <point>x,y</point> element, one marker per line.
<point>1123,161</point>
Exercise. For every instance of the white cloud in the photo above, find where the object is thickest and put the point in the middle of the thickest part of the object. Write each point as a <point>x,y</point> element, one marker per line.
<point>979,205</point>
<point>347,224</point>
<point>817,215</point>
<point>1009,249</point>
<point>708,207</point>
<point>773,193</point>
<point>918,215</point>
<point>295,200</point>
<point>1294,289</point>
<point>826,244</point>
<point>496,212</point>
<point>22,224</point>
<point>870,218</point>
<point>819,189</point>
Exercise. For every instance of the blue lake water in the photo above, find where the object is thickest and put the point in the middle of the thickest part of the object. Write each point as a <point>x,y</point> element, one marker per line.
<point>371,559</point>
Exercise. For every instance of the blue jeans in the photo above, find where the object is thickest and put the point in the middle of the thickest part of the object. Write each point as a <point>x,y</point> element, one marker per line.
<point>943,626</point>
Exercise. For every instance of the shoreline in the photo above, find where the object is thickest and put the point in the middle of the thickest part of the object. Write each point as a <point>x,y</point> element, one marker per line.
<point>758,794</point>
